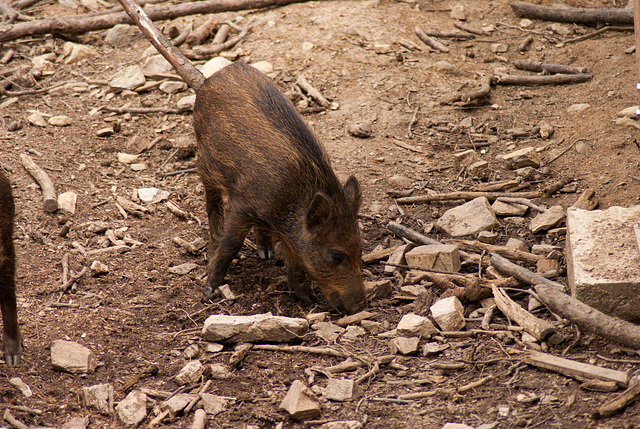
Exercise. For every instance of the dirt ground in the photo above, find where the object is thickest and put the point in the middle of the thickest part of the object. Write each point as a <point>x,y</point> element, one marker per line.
<point>140,314</point>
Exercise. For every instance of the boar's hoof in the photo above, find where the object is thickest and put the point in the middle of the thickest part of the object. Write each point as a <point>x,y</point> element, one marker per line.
<point>13,351</point>
<point>209,292</point>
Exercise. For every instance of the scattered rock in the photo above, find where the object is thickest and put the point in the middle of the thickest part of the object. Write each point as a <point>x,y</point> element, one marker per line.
<point>469,218</point>
<point>264,66</point>
<point>413,290</point>
<point>105,132</point>
<point>119,35</point>
<point>300,402</point>
<point>60,121</point>
<point>98,268</point>
<point>183,269</point>
<point>516,243</point>
<point>213,65</point>
<point>67,202</point>
<point>99,397</point>
<point>342,390</point>
<point>157,65</point>
<point>36,118</point>
<point>171,87</point>
<point>405,345</point>
<point>72,357</point>
<point>218,371</point>
<point>434,348</point>
<point>179,402</point>
<point>76,53</point>
<point>413,325</point>
<point>508,209</point>
<point>259,327</point>
<point>448,314</point>
<point>400,181</point>
<point>128,78</point>
<point>458,12</point>
<point>489,237</point>
<point>439,257</point>
<point>132,410</point>
<point>76,423</point>
<point>21,386</point>
<point>378,289</point>
<point>382,48</point>
<point>360,129</point>
<point>152,195</point>
<point>213,404</point>
<point>372,326</point>
<point>563,30</point>
<point>190,373</point>
<point>342,424</point>
<point>499,48</point>
<point>526,157</point>
<point>550,218</point>
<point>98,227</point>
<point>187,102</point>
<point>327,331</point>
<point>578,108</point>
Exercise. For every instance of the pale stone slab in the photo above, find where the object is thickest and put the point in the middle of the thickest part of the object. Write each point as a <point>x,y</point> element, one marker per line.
<point>469,218</point>
<point>406,345</point>
<point>342,390</point>
<point>21,386</point>
<point>378,289</point>
<point>300,403</point>
<point>603,263</point>
<point>99,397</point>
<point>72,357</point>
<point>214,404</point>
<point>132,410</point>
<point>440,257</point>
<point>509,209</point>
<point>259,327</point>
<point>76,423</point>
<point>448,314</point>
<point>190,373</point>
<point>525,157</point>
<point>179,402</point>
<point>547,220</point>
<point>413,325</point>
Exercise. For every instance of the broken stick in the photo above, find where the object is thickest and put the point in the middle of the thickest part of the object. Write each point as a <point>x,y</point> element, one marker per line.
<point>588,318</point>
<point>556,79</point>
<point>620,402</point>
<point>587,16</point>
<point>313,93</point>
<point>514,270</point>
<point>539,66</point>
<point>540,329</point>
<point>48,191</point>
<point>429,41</point>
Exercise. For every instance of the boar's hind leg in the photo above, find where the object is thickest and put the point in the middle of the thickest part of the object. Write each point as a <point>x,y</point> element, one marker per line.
<point>215,214</point>
<point>263,241</point>
<point>12,337</point>
<point>298,282</point>
<point>227,247</point>
<point>12,340</point>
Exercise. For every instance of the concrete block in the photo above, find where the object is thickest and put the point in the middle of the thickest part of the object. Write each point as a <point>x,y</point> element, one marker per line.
<point>448,314</point>
<point>440,257</point>
<point>603,263</point>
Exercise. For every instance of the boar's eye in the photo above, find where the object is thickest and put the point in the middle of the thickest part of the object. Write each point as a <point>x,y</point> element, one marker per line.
<point>337,257</point>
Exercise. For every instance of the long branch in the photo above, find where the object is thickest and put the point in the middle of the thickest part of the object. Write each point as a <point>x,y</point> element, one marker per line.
<point>80,24</point>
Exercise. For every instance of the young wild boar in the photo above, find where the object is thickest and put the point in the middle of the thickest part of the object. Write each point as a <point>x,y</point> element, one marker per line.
<point>12,337</point>
<point>262,167</point>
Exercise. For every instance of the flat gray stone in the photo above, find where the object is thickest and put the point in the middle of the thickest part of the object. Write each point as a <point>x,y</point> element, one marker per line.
<point>99,397</point>
<point>132,410</point>
<point>128,78</point>
<point>603,263</point>
<point>406,345</point>
<point>300,403</point>
<point>448,314</point>
<point>469,218</point>
<point>413,325</point>
<point>548,219</point>
<point>342,390</point>
<point>258,327</point>
<point>508,209</point>
<point>72,357</point>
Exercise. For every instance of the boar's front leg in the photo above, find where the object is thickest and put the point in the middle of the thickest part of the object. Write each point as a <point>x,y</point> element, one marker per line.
<point>297,281</point>
<point>264,243</point>
<point>228,244</point>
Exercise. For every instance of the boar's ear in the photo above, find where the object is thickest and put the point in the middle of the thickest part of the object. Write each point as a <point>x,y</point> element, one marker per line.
<point>352,193</point>
<point>318,212</point>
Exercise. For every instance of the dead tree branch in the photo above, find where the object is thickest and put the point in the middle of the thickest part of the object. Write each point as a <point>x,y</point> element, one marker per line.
<point>81,24</point>
<point>586,16</point>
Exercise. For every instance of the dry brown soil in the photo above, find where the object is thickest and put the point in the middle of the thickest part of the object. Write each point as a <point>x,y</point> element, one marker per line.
<point>139,314</point>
